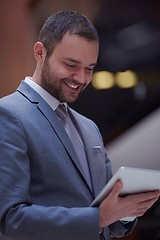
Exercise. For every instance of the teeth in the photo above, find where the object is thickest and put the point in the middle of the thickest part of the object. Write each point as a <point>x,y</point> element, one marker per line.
<point>72,86</point>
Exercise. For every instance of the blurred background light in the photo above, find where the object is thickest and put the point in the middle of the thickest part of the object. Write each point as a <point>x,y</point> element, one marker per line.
<point>126,79</point>
<point>103,80</point>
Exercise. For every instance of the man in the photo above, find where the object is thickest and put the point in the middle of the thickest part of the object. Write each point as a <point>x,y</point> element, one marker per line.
<point>45,187</point>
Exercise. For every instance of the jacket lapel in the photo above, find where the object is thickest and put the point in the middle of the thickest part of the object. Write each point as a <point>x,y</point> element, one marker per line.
<point>52,117</point>
<point>94,153</point>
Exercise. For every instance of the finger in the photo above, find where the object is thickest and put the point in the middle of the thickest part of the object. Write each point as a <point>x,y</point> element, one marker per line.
<point>148,196</point>
<point>117,189</point>
<point>147,204</point>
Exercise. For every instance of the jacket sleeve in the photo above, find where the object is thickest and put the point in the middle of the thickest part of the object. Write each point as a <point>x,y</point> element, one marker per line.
<point>19,218</point>
<point>119,229</point>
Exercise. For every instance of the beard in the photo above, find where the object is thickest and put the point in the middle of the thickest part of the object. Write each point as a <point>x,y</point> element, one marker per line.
<point>54,85</point>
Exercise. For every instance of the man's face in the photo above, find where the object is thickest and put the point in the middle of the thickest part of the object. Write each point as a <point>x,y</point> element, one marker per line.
<point>67,72</point>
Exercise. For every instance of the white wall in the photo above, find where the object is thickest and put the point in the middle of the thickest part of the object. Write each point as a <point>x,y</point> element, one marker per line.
<point>139,146</point>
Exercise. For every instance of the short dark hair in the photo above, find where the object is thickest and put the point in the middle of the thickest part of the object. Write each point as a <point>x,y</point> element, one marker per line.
<point>61,22</point>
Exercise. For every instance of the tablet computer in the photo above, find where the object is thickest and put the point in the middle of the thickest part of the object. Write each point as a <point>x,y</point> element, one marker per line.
<point>135,180</point>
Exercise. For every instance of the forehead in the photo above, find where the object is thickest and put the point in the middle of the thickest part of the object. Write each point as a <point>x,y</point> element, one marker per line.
<point>76,47</point>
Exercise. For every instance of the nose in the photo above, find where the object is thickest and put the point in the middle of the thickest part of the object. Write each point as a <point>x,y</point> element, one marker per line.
<point>80,76</point>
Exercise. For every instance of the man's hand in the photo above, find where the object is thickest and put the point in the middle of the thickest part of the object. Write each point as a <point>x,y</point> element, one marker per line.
<point>114,207</point>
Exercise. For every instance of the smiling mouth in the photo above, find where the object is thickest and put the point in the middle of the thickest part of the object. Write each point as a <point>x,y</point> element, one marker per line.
<point>72,86</point>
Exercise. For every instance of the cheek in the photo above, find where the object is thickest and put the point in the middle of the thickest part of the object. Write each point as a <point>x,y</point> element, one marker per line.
<point>61,72</point>
<point>88,78</point>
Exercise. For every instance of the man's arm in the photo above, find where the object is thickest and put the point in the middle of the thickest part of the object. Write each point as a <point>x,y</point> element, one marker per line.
<point>19,217</point>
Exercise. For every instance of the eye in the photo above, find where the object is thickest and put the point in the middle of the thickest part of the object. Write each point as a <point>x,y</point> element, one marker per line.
<point>89,69</point>
<point>70,65</point>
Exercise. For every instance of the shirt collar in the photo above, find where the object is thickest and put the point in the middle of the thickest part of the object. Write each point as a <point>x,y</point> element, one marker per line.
<point>52,101</point>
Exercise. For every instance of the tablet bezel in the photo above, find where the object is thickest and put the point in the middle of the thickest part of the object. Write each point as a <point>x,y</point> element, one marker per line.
<point>135,180</point>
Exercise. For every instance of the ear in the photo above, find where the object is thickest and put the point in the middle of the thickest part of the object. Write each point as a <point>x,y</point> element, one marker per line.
<point>40,52</point>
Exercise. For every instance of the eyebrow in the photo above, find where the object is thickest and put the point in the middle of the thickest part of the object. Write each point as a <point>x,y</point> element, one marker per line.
<point>79,62</point>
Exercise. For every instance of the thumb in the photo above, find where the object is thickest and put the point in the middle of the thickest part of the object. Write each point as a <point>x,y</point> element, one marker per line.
<point>117,189</point>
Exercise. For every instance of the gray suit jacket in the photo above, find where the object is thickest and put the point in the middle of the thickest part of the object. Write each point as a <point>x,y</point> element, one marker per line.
<point>44,194</point>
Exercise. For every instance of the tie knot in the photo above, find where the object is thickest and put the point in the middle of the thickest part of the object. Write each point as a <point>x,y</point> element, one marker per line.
<point>61,111</point>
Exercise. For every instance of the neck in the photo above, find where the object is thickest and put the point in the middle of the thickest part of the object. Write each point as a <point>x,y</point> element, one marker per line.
<point>37,76</point>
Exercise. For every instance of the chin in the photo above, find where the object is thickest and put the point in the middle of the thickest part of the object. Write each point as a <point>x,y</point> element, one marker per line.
<point>69,99</point>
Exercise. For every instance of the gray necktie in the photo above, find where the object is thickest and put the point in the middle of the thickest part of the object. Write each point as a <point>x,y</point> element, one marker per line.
<point>75,139</point>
